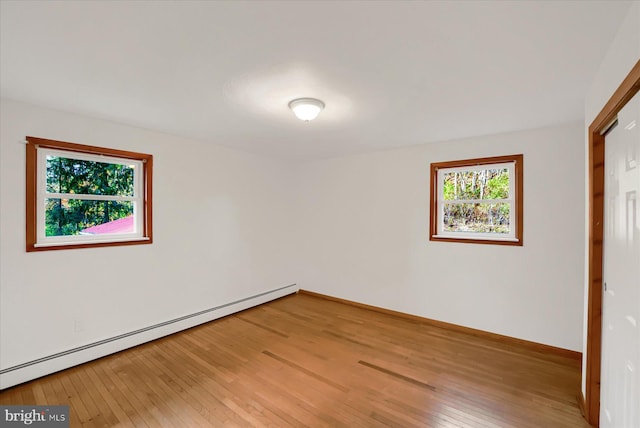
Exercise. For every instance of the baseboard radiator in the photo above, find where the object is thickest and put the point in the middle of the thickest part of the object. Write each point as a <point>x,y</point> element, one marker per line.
<point>30,370</point>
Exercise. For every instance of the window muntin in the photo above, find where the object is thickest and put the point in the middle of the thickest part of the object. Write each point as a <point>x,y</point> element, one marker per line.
<point>80,196</point>
<point>477,200</point>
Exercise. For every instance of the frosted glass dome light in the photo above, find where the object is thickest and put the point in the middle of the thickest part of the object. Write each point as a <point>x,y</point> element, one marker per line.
<point>306,108</point>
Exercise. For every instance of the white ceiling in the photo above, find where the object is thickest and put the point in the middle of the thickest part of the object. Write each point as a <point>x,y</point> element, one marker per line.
<point>391,73</point>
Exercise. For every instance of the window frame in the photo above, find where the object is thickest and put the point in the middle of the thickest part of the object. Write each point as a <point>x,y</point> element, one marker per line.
<point>516,190</point>
<point>36,152</point>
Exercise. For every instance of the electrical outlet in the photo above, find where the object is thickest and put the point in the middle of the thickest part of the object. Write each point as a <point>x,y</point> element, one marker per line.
<point>77,326</point>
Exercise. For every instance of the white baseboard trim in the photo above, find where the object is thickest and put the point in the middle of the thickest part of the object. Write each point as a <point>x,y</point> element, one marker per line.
<point>30,370</point>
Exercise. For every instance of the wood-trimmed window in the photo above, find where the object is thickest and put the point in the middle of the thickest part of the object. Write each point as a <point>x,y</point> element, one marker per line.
<point>477,201</point>
<point>80,196</point>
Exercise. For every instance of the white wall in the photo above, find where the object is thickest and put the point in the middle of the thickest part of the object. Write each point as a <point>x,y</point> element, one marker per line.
<point>620,58</point>
<point>363,236</point>
<point>221,233</point>
<point>228,225</point>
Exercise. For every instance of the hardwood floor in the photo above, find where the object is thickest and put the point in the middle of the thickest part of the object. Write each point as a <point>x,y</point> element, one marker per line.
<point>303,361</point>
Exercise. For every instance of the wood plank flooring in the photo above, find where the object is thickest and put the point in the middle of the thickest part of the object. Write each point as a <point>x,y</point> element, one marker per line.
<point>302,361</point>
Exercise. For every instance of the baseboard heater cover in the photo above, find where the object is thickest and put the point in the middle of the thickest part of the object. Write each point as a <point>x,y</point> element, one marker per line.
<point>62,360</point>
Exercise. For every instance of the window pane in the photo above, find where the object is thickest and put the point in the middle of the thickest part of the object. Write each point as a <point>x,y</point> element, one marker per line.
<point>484,184</point>
<point>65,217</point>
<point>66,175</point>
<point>476,218</point>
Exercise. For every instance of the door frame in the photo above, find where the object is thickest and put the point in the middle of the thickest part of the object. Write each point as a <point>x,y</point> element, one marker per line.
<point>627,89</point>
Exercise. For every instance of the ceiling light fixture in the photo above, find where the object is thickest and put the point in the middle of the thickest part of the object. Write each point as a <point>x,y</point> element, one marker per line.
<point>306,108</point>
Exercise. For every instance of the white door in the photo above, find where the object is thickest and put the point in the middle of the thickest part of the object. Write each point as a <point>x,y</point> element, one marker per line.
<point>620,378</point>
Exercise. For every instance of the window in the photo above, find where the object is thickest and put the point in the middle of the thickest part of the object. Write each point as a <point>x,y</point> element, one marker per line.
<point>477,200</point>
<point>83,196</point>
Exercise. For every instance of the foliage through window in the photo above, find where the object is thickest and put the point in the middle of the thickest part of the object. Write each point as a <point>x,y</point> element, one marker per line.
<point>80,196</point>
<point>477,200</point>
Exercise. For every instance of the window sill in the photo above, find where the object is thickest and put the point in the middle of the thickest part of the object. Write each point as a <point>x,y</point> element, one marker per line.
<point>89,244</point>
<point>475,238</point>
